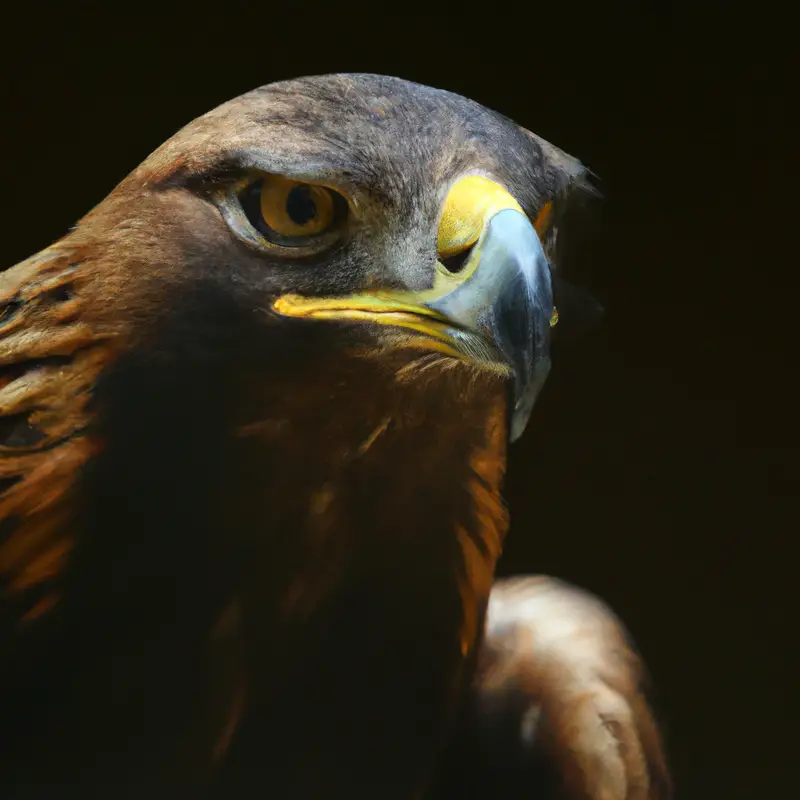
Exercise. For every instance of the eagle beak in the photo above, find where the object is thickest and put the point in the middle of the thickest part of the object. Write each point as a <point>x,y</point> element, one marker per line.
<point>492,298</point>
<point>508,299</point>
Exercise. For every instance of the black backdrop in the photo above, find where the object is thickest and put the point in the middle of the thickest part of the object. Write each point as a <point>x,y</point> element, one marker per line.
<point>657,471</point>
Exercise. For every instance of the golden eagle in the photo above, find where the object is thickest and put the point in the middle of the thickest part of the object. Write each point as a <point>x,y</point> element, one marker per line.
<point>255,411</point>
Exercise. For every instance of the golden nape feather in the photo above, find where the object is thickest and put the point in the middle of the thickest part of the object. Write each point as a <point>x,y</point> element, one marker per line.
<point>49,360</point>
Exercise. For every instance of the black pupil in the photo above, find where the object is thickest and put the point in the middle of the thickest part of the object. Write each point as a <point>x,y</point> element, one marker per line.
<point>300,205</point>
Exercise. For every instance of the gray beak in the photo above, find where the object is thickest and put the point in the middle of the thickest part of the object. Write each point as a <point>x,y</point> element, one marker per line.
<point>509,300</point>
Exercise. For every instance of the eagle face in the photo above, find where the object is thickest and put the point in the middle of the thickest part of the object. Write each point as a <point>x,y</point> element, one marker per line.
<point>404,215</point>
<point>274,374</point>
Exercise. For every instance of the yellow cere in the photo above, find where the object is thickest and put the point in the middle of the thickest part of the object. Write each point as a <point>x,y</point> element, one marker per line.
<point>291,208</point>
<point>471,201</point>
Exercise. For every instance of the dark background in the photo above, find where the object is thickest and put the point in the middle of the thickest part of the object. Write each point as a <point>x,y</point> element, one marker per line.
<point>660,466</point>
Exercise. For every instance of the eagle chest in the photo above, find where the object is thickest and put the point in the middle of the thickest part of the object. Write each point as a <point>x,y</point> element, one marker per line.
<point>370,644</point>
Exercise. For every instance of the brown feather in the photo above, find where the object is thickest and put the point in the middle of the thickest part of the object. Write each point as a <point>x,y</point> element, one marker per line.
<point>51,360</point>
<point>559,676</point>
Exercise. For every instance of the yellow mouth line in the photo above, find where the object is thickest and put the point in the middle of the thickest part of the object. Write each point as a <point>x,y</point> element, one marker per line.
<point>382,308</point>
<point>296,305</point>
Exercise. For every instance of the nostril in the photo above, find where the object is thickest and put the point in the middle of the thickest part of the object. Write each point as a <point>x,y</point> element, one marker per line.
<point>455,263</point>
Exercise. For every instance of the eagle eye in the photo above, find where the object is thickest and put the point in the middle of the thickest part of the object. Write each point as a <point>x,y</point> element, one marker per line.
<point>290,213</point>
